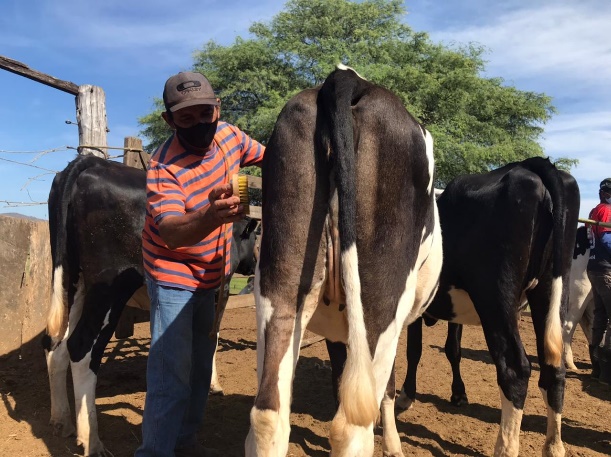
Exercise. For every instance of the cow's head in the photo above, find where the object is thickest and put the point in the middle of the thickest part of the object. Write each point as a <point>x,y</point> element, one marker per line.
<point>582,244</point>
<point>243,259</point>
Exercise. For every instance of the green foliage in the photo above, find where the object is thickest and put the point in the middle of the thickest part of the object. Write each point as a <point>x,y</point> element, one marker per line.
<point>477,123</point>
<point>237,284</point>
<point>565,164</point>
<point>155,129</point>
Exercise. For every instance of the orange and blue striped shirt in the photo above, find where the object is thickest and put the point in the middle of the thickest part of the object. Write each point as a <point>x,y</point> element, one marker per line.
<point>178,181</point>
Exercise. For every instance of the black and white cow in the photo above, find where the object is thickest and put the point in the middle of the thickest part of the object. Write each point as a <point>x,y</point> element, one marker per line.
<point>96,215</point>
<point>580,311</point>
<point>581,302</point>
<point>508,237</point>
<point>351,249</point>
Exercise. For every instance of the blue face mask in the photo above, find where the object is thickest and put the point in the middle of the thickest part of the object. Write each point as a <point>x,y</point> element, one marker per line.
<point>608,200</point>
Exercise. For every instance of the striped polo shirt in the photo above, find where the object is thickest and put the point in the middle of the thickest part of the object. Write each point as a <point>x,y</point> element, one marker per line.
<point>178,182</point>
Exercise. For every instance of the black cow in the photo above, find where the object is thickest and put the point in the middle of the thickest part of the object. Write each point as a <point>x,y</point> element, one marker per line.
<point>580,311</point>
<point>347,175</point>
<point>96,215</point>
<point>508,237</point>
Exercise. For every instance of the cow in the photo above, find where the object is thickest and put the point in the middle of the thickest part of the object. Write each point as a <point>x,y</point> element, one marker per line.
<point>581,301</point>
<point>580,311</point>
<point>96,215</point>
<point>508,236</point>
<point>351,249</point>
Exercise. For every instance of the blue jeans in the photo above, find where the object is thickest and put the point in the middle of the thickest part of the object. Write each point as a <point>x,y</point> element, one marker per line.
<point>179,368</point>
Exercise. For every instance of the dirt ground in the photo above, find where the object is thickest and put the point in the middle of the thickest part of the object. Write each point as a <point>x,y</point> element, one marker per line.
<point>433,427</point>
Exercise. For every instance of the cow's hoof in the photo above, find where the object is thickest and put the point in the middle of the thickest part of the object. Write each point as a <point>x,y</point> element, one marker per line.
<point>216,390</point>
<point>63,429</point>
<point>554,448</point>
<point>571,366</point>
<point>96,449</point>
<point>459,400</point>
<point>393,454</point>
<point>403,402</point>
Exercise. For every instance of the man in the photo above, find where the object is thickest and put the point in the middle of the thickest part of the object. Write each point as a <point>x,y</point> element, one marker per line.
<point>190,208</point>
<point>599,272</point>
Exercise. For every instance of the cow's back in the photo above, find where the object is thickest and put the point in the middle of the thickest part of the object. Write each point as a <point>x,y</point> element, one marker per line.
<point>494,224</point>
<point>107,213</point>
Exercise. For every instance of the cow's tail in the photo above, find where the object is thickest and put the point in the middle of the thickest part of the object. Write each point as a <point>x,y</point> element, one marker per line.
<point>357,390</point>
<point>57,320</point>
<point>552,180</point>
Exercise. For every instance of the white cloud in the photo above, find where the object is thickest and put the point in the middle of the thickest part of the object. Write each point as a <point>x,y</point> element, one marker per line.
<point>170,27</point>
<point>585,136</point>
<point>569,42</point>
<point>561,49</point>
<point>150,34</point>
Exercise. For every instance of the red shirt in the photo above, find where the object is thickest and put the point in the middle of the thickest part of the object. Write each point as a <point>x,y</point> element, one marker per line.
<point>601,213</point>
<point>600,257</point>
<point>178,182</point>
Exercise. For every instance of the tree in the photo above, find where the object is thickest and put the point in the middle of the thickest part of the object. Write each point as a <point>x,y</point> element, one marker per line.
<point>477,123</point>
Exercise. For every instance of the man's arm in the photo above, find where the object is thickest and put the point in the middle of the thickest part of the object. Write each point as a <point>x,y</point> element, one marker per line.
<point>193,227</point>
<point>251,151</point>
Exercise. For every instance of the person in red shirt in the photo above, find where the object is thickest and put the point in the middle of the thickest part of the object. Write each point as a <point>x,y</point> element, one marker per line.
<point>190,208</point>
<point>599,273</point>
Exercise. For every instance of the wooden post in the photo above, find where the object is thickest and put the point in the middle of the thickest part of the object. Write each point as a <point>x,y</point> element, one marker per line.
<point>134,154</point>
<point>91,119</point>
<point>90,106</point>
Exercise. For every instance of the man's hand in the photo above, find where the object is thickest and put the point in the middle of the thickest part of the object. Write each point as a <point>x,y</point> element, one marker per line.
<point>192,227</point>
<point>224,205</point>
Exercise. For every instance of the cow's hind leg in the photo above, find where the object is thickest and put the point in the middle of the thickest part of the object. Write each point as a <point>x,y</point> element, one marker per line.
<point>552,375</point>
<point>513,372</point>
<point>391,443</point>
<point>215,385</point>
<point>58,357</point>
<point>579,312</point>
<point>350,439</point>
<point>104,302</point>
<point>453,354</point>
<point>57,367</point>
<point>84,403</point>
<point>414,352</point>
<point>279,333</point>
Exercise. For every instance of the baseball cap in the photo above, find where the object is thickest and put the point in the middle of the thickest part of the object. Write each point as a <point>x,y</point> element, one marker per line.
<point>187,88</point>
<point>605,185</point>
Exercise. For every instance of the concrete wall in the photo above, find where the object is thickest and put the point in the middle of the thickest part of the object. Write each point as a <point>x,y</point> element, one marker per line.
<point>25,278</point>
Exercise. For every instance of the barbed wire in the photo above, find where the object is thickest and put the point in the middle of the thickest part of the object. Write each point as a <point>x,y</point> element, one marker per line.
<point>39,154</point>
<point>27,165</point>
<point>44,151</point>
<point>11,204</point>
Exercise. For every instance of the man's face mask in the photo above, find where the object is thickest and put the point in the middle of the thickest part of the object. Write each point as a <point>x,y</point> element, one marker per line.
<point>199,135</point>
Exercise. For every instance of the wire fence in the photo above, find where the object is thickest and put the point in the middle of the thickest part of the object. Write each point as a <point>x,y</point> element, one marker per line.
<point>47,171</point>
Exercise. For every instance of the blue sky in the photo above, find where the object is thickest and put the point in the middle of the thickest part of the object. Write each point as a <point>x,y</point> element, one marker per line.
<point>129,48</point>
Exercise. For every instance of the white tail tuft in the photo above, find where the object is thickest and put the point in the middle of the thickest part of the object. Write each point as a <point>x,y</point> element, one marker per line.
<point>358,386</point>
<point>57,314</point>
<point>553,327</point>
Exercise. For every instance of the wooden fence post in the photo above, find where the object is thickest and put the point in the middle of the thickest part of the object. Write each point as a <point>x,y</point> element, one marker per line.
<point>134,154</point>
<point>91,119</point>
